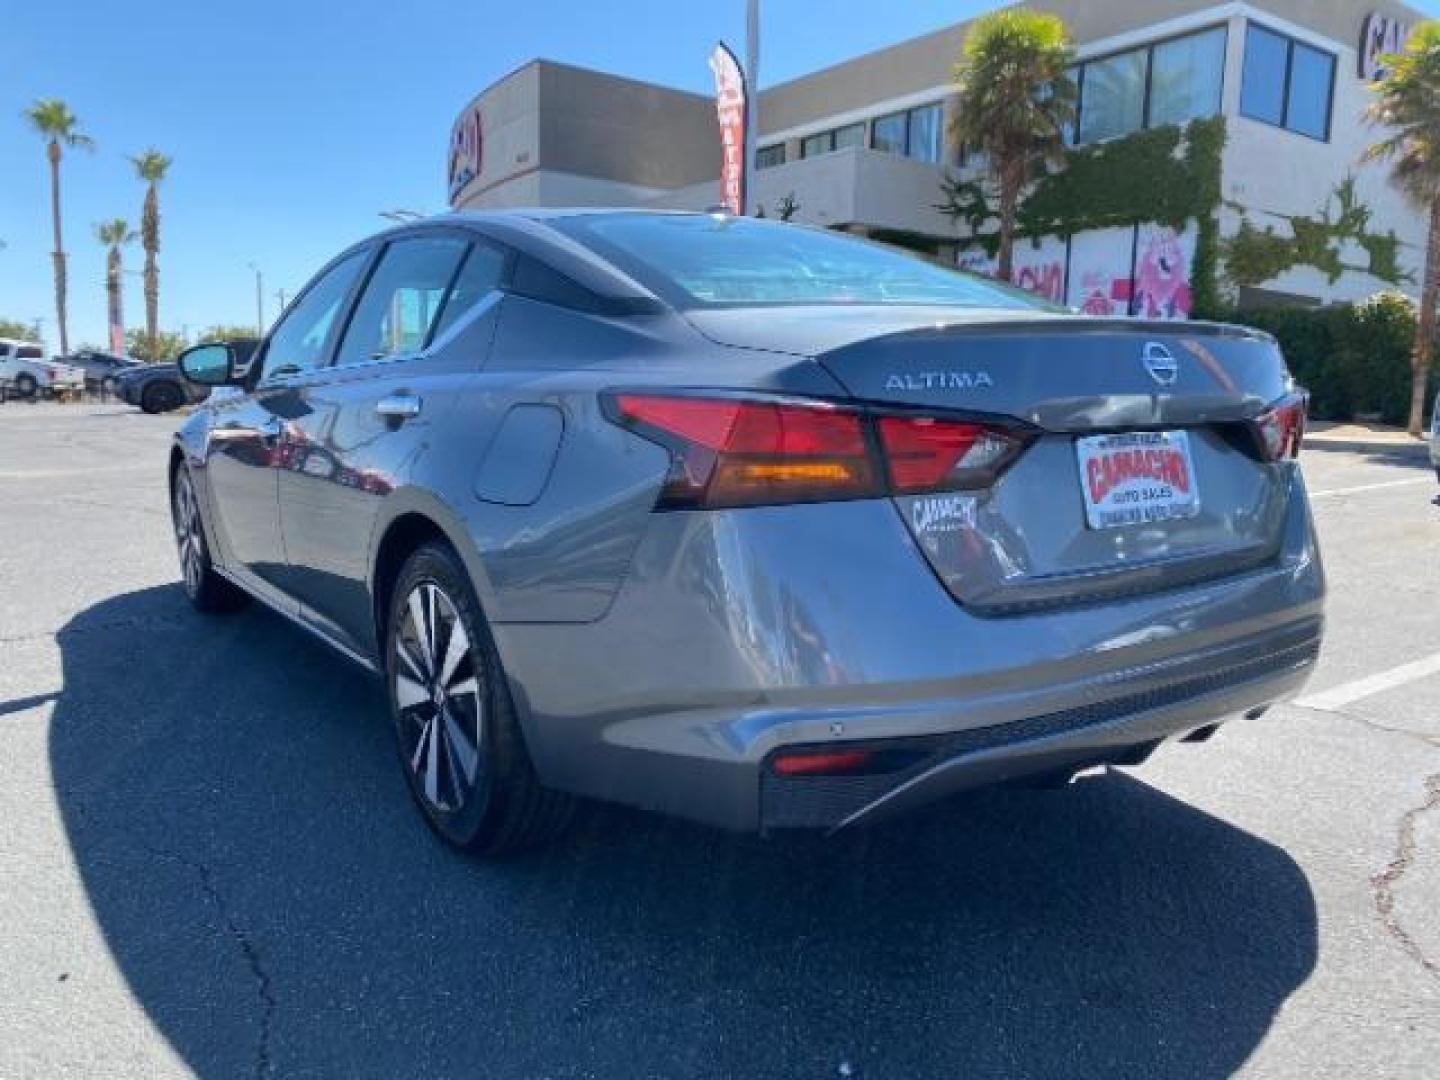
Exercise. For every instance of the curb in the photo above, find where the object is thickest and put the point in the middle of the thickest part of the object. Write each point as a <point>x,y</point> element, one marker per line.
<point>1417,449</point>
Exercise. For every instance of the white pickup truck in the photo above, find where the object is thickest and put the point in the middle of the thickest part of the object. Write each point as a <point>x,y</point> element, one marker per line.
<point>25,372</point>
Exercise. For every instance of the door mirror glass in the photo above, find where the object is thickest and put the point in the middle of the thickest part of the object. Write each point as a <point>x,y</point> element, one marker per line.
<point>208,365</point>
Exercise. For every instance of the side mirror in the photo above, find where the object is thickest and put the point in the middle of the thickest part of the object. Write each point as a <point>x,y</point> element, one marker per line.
<point>210,365</point>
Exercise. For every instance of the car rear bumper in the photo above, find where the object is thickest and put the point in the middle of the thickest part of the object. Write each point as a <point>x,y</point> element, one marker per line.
<point>1152,706</point>
<point>740,634</point>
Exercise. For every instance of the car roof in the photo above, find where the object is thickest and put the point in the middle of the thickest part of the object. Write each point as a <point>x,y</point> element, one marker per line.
<point>531,232</point>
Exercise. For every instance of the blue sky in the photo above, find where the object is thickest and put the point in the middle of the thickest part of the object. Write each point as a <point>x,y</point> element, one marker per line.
<point>292,124</point>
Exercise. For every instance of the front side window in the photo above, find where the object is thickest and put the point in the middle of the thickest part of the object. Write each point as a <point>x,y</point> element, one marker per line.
<point>1287,83</point>
<point>702,260</point>
<point>1186,77</point>
<point>298,344</point>
<point>1112,97</point>
<point>402,299</point>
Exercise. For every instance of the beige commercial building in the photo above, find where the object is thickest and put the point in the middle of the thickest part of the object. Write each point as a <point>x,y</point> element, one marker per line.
<point>866,145</point>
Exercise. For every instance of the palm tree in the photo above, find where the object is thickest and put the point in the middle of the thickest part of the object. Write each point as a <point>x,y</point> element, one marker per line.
<point>151,167</point>
<point>1015,99</point>
<point>1407,103</point>
<point>58,126</point>
<point>115,234</point>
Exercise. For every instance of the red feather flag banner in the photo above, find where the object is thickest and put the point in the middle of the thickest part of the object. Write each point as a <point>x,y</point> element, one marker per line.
<point>730,103</point>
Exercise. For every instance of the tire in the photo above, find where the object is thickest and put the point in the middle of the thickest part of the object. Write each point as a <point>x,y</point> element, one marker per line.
<point>26,386</point>
<point>206,589</point>
<point>458,738</point>
<point>161,397</point>
<point>107,386</point>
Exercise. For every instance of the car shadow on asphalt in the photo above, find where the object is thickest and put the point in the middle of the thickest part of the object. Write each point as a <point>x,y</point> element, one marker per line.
<point>235,809</point>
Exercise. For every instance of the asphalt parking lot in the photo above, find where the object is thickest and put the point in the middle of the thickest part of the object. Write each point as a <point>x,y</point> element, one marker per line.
<point>208,863</point>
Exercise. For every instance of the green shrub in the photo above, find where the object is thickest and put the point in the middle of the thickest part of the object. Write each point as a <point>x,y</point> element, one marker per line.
<point>1353,358</point>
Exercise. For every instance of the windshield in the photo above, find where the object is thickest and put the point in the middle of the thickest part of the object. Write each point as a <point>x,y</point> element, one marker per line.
<point>703,259</point>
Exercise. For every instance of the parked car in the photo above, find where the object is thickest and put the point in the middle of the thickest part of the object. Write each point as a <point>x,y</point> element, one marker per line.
<point>157,388</point>
<point>760,525</point>
<point>1435,436</point>
<point>100,369</point>
<point>24,368</point>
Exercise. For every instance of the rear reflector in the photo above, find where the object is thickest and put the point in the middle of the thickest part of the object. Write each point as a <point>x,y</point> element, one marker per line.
<point>733,451</point>
<point>819,762</point>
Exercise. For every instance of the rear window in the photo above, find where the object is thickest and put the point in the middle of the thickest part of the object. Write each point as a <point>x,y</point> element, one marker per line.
<point>713,260</point>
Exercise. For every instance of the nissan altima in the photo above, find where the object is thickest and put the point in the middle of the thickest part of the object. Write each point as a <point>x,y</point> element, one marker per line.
<point>764,526</point>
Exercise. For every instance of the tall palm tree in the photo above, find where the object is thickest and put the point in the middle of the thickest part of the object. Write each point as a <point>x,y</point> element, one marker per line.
<point>115,234</point>
<point>1015,99</point>
<point>1407,103</point>
<point>59,127</point>
<point>151,167</point>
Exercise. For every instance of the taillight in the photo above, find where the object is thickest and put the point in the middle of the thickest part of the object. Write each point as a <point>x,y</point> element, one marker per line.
<point>732,451</point>
<point>735,452</point>
<point>1281,428</point>
<point>928,454</point>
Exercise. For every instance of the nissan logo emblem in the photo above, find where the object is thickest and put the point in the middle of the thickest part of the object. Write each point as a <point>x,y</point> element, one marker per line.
<point>1160,363</point>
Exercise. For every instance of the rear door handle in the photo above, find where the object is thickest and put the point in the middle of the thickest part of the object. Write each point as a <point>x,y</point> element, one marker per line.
<point>398,407</point>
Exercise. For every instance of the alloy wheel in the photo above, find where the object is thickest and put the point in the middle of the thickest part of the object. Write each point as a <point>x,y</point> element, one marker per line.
<point>187,534</point>
<point>437,695</point>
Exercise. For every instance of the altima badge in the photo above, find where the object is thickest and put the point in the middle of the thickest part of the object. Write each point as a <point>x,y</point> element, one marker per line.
<point>941,380</point>
<point>1160,362</point>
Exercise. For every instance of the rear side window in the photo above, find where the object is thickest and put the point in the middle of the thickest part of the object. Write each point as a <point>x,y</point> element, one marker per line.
<point>30,352</point>
<point>710,260</point>
<point>479,276</point>
<point>402,300</point>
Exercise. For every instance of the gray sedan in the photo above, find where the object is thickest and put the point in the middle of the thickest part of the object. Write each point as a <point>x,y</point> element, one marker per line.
<point>760,525</point>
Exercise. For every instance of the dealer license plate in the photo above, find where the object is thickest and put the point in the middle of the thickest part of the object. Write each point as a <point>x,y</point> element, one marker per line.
<point>1137,478</point>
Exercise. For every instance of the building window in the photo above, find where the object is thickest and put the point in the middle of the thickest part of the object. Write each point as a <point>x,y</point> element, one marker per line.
<point>826,141</point>
<point>915,133</point>
<point>769,156</point>
<point>1170,82</point>
<point>1287,83</point>
<point>1112,96</point>
<point>925,134</point>
<point>849,135</point>
<point>1185,78</point>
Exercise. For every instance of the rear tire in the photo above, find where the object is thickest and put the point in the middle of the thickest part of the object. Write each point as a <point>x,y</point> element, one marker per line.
<point>206,589</point>
<point>456,731</point>
<point>161,397</point>
<point>26,386</point>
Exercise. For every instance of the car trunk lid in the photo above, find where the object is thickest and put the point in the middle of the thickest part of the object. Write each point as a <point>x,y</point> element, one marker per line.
<point>1143,471</point>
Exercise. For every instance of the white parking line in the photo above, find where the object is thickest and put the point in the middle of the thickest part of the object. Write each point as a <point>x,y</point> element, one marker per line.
<point>1337,697</point>
<point>1372,487</point>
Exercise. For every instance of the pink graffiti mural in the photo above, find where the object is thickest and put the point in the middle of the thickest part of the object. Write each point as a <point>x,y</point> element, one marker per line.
<point>1162,276</point>
<point>1045,279</point>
